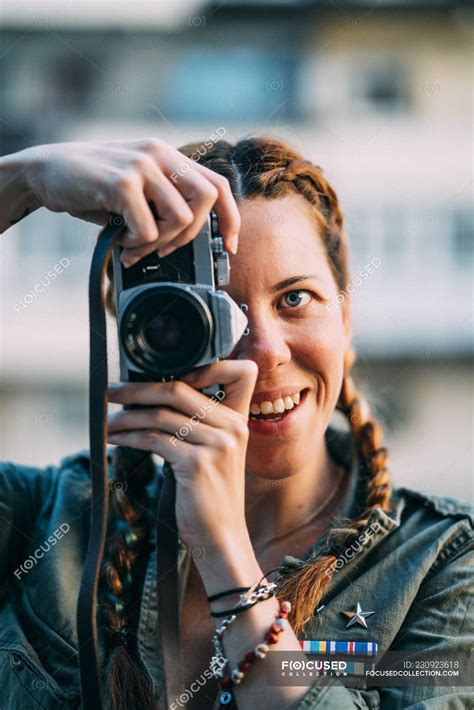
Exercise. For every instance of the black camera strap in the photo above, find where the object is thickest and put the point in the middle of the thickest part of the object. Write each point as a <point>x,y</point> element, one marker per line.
<point>167,588</point>
<point>166,537</point>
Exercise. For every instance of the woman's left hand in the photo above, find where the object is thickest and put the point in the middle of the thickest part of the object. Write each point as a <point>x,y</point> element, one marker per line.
<point>203,439</point>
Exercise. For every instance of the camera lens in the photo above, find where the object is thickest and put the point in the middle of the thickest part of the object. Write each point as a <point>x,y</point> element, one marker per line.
<point>164,332</point>
<point>166,329</point>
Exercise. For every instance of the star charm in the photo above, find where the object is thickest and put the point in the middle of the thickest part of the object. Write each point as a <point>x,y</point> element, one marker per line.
<point>357,616</point>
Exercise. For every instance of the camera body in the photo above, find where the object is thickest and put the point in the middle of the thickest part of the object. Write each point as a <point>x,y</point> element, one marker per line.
<point>171,314</point>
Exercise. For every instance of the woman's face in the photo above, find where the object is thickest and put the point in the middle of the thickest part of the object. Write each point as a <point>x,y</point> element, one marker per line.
<point>296,341</point>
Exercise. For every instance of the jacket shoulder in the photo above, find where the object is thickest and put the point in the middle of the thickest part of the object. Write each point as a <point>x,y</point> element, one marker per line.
<point>442,506</point>
<point>80,461</point>
<point>76,464</point>
<point>26,487</point>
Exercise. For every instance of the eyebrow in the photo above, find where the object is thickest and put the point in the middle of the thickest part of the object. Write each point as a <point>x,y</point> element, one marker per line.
<point>292,280</point>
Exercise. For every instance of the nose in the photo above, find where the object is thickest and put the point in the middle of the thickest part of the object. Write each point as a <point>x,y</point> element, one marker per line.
<point>266,344</point>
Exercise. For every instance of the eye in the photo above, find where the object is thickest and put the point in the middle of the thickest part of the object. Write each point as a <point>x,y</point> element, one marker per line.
<point>295,299</point>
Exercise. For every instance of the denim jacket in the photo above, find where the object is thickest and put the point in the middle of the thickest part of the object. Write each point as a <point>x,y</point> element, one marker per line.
<point>414,573</point>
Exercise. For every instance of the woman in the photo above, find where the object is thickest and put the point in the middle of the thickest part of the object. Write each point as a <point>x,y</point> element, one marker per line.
<point>263,481</point>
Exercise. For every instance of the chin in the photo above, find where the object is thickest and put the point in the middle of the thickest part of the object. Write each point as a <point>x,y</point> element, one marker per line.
<point>277,465</point>
<point>279,457</point>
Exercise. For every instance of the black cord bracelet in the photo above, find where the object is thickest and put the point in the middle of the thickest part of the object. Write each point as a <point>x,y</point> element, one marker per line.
<point>227,593</point>
<point>240,609</point>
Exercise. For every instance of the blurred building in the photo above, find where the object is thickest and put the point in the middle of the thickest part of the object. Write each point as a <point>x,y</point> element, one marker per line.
<point>376,93</point>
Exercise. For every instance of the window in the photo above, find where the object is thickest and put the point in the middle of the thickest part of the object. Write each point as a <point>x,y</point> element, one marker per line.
<point>380,84</point>
<point>233,84</point>
<point>462,238</point>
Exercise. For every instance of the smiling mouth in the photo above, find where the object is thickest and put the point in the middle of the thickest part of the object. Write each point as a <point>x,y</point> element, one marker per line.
<point>279,409</point>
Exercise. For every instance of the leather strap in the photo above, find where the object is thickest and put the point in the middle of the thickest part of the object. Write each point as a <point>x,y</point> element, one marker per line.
<point>167,538</point>
<point>167,583</point>
<point>87,602</point>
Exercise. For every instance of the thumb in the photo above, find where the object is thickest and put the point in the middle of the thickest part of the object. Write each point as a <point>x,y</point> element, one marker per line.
<point>238,377</point>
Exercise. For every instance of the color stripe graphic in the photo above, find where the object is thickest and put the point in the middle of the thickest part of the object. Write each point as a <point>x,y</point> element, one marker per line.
<point>352,648</point>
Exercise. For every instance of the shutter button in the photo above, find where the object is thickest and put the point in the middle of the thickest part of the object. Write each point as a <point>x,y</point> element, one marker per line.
<point>16,663</point>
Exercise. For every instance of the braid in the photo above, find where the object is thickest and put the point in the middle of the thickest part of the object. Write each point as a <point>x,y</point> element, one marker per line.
<point>126,685</point>
<point>368,436</point>
<point>305,587</point>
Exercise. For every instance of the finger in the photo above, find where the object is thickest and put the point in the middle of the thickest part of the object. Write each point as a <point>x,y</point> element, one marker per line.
<point>162,419</point>
<point>180,210</point>
<point>142,227</point>
<point>130,256</point>
<point>177,395</point>
<point>156,442</point>
<point>174,213</point>
<point>181,170</point>
<point>201,196</point>
<point>173,230</point>
<point>167,421</point>
<point>238,377</point>
<point>225,207</point>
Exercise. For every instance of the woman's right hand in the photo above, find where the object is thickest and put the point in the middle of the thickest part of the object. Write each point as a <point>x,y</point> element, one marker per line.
<point>90,180</point>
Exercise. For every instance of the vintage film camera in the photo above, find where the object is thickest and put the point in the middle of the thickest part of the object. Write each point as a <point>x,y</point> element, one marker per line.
<point>171,314</point>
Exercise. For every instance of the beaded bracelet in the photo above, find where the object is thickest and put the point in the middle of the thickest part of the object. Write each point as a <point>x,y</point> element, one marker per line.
<point>236,676</point>
<point>218,661</point>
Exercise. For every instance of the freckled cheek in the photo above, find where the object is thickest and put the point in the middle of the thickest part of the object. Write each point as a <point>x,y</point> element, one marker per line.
<point>321,351</point>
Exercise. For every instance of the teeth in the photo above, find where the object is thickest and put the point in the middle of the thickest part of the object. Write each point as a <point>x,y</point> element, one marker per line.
<point>289,404</point>
<point>278,406</point>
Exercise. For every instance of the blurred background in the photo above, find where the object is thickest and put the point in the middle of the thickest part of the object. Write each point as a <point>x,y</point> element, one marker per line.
<point>377,93</point>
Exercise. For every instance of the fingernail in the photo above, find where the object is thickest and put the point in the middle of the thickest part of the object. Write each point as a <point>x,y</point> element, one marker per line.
<point>165,251</point>
<point>130,261</point>
<point>233,243</point>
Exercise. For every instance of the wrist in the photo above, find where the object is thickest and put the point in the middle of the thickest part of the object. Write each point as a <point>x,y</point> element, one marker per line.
<point>228,564</point>
<point>34,160</point>
<point>18,198</point>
